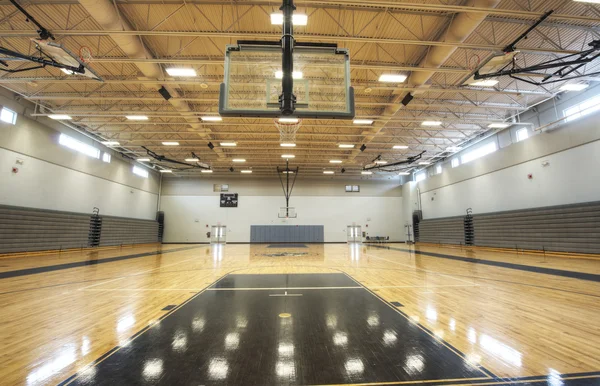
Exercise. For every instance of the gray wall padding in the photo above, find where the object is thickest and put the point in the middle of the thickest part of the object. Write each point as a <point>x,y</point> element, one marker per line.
<point>287,233</point>
<point>30,229</point>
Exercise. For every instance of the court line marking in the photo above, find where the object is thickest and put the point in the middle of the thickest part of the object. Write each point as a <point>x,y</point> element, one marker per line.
<point>501,264</point>
<point>83,263</point>
<point>405,382</point>
<point>456,351</point>
<point>110,352</point>
<point>418,269</point>
<point>425,286</point>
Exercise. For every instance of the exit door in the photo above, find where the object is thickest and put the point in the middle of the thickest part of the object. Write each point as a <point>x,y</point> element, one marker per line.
<point>354,234</point>
<point>218,234</point>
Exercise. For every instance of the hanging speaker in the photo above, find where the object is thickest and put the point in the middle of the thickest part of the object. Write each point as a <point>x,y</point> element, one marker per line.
<point>165,94</point>
<point>407,99</point>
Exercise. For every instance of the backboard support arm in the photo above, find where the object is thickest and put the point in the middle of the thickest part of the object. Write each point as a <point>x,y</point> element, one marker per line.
<point>287,99</point>
<point>287,190</point>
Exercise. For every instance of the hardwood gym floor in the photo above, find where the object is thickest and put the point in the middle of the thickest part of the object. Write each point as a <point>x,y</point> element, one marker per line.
<point>320,314</point>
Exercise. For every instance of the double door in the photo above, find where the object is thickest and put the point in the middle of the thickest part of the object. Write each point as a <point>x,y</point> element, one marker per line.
<point>218,234</point>
<point>354,233</point>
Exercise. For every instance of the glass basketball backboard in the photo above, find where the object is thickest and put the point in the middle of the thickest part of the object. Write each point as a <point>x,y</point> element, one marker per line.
<point>252,81</point>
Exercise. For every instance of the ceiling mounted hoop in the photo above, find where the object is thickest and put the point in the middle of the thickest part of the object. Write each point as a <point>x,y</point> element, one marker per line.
<point>85,54</point>
<point>287,130</point>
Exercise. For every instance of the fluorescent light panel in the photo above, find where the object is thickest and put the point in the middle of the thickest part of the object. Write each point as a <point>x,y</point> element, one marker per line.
<point>295,74</point>
<point>431,123</point>
<point>498,125</point>
<point>211,119</point>
<point>238,160</point>
<point>335,161</point>
<point>181,71</point>
<point>366,172</point>
<point>345,146</point>
<point>246,171</point>
<point>110,143</point>
<point>286,172</point>
<point>165,171</point>
<point>328,172</point>
<point>192,160</point>
<point>288,120</point>
<point>228,144</point>
<point>391,78</point>
<point>137,117</point>
<point>380,162</point>
<point>363,121</point>
<point>60,116</point>
<point>170,143</point>
<point>424,163</point>
<point>574,87</point>
<point>403,173</point>
<point>286,144</point>
<point>297,19</point>
<point>288,156</point>
<point>485,83</point>
<point>206,171</point>
<point>399,147</point>
<point>143,159</point>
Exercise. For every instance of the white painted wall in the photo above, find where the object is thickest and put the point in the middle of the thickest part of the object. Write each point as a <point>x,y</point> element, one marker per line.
<point>53,177</point>
<point>499,181</point>
<point>190,206</point>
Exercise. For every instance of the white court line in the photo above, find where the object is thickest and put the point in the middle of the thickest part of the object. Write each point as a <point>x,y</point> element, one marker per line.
<point>415,268</point>
<point>278,288</point>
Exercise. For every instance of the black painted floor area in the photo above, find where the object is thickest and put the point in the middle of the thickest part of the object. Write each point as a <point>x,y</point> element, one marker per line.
<point>243,337</point>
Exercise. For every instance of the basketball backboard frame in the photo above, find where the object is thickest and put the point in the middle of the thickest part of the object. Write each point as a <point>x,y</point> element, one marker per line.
<point>303,107</point>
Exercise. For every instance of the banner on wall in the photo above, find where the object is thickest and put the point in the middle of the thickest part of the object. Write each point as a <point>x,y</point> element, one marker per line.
<point>229,200</point>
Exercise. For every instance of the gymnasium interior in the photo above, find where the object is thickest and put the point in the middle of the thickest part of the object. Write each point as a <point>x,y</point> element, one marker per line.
<point>308,192</point>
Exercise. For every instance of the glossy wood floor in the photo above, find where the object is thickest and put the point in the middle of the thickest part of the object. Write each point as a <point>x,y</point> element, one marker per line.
<point>515,315</point>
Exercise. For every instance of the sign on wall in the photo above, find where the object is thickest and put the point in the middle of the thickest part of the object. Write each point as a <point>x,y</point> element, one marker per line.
<point>229,200</point>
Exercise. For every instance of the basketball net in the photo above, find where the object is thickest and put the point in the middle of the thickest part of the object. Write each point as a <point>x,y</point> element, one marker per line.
<point>287,130</point>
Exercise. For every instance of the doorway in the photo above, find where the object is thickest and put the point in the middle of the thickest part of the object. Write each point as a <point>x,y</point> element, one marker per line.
<point>218,234</point>
<point>354,233</point>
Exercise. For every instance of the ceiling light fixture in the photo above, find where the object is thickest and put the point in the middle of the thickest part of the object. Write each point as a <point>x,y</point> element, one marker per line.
<point>246,171</point>
<point>403,173</point>
<point>228,144</point>
<point>345,146</point>
<point>498,125</point>
<point>181,71</point>
<point>399,147</point>
<point>288,120</point>
<point>366,173</point>
<point>206,171</point>
<point>431,123</point>
<point>363,121</point>
<point>381,162</point>
<point>211,118</point>
<point>170,143</point>
<point>328,172</point>
<point>143,159</point>
<point>192,160</point>
<point>288,156</point>
<point>110,143</point>
<point>297,19</point>
<point>165,171</point>
<point>137,117</point>
<point>335,161</point>
<point>424,163</point>
<point>60,117</point>
<point>391,78</point>
<point>574,87</point>
<point>295,74</point>
<point>287,144</point>
<point>238,160</point>
<point>485,83</point>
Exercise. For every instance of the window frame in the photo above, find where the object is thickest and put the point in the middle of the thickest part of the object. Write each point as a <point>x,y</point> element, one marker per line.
<point>13,121</point>
<point>590,106</point>
<point>522,130</point>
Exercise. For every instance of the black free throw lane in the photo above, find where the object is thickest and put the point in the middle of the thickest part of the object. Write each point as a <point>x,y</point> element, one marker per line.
<point>242,337</point>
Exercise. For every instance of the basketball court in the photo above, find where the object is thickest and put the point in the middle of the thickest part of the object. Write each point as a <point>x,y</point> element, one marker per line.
<point>299,193</point>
